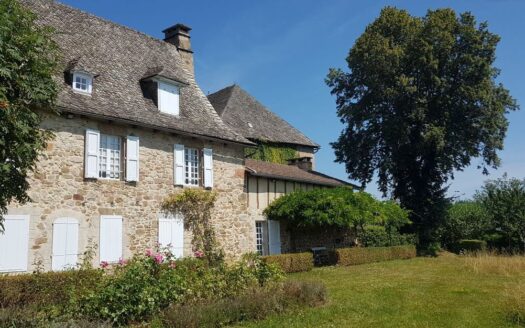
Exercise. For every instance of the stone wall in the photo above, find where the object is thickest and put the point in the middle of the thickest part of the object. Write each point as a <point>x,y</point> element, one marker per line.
<point>58,189</point>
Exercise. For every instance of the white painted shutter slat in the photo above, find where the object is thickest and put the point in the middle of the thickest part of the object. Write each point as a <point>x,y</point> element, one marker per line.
<point>110,238</point>
<point>164,231</point>
<point>208,167</point>
<point>132,158</point>
<point>91,153</point>
<point>178,165</point>
<point>177,236</point>
<point>58,259</point>
<point>274,237</point>
<point>14,243</point>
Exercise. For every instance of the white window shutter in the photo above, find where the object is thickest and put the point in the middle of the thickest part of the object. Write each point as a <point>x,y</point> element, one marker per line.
<point>274,237</point>
<point>132,158</point>
<point>168,98</point>
<point>14,243</point>
<point>178,164</point>
<point>65,244</point>
<point>208,167</point>
<point>91,153</point>
<point>110,238</point>
<point>171,232</point>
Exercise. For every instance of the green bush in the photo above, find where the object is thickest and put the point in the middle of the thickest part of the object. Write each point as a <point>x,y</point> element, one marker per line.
<point>361,255</point>
<point>151,282</point>
<point>50,289</point>
<point>294,262</point>
<point>379,236</point>
<point>253,304</point>
<point>469,245</point>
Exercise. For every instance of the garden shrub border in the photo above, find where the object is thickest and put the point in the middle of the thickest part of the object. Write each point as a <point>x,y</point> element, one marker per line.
<point>255,304</point>
<point>362,255</point>
<point>292,262</point>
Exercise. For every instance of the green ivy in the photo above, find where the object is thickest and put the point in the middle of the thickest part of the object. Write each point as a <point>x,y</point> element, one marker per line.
<point>270,152</point>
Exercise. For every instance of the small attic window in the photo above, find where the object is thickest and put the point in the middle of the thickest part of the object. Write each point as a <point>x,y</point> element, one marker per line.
<point>82,82</point>
<point>168,98</point>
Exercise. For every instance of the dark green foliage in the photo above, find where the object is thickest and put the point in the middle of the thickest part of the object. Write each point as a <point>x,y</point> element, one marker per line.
<point>28,59</point>
<point>420,101</point>
<point>469,245</point>
<point>269,152</point>
<point>294,262</point>
<point>379,236</point>
<point>504,202</point>
<point>254,305</point>
<point>361,255</point>
<point>465,220</point>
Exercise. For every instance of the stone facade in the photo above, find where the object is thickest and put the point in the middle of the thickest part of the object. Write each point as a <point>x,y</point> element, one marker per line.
<point>59,189</point>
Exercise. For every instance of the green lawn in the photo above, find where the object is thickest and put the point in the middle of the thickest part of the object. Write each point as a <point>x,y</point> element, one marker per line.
<point>422,292</point>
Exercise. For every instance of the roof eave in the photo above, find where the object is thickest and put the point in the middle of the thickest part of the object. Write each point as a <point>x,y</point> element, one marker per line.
<point>152,126</point>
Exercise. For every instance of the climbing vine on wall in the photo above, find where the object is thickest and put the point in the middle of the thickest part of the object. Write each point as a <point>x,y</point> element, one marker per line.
<point>269,152</point>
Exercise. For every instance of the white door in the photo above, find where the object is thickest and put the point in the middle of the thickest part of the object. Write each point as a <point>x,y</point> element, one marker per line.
<point>14,243</point>
<point>171,234</point>
<point>274,237</point>
<point>110,238</point>
<point>65,244</point>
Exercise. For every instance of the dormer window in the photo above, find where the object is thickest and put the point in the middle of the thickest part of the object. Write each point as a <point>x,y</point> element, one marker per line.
<point>82,82</point>
<point>168,98</point>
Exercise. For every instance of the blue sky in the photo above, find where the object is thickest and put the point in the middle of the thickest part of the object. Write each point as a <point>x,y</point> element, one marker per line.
<point>280,52</point>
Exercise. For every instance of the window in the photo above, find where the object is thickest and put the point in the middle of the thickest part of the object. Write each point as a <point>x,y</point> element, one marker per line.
<point>168,98</point>
<point>82,82</point>
<point>65,244</point>
<point>259,237</point>
<point>14,243</point>
<point>110,238</point>
<point>189,169</point>
<point>109,157</point>
<point>191,166</point>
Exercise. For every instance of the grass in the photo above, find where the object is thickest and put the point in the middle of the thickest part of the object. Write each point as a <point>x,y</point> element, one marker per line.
<point>448,291</point>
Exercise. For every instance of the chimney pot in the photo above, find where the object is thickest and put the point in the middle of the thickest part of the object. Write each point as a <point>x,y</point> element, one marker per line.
<point>179,35</point>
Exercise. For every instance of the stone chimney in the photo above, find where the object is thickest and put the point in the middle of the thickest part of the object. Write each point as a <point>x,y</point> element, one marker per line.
<point>304,163</point>
<point>179,35</point>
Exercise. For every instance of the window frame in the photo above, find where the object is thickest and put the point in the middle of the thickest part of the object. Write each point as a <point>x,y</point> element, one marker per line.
<point>89,83</point>
<point>199,168</point>
<point>121,151</point>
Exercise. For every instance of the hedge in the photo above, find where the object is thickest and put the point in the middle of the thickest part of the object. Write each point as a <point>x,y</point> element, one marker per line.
<point>361,255</point>
<point>294,262</point>
<point>44,289</point>
<point>469,245</point>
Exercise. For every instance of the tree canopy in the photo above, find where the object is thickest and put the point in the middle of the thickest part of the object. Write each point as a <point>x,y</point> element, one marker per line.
<point>28,58</point>
<point>420,100</point>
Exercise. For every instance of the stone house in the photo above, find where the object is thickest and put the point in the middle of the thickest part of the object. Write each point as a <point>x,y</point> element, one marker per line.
<point>133,127</point>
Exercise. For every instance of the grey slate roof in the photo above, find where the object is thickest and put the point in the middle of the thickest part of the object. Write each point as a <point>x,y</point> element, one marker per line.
<point>292,173</point>
<point>120,57</point>
<point>254,121</point>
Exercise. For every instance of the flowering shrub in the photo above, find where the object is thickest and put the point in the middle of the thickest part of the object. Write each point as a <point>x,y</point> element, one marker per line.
<point>142,286</point>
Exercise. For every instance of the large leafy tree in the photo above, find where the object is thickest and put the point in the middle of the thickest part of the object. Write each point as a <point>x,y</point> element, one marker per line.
<point>420,101</point>
<point>28,58</point>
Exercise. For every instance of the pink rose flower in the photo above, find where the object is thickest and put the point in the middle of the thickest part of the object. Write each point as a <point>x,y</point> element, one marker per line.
<point>159,258</point>
<point>149,252</point>
<point>198,254</point>
<point>122,261</point>
<point>104,264</point>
